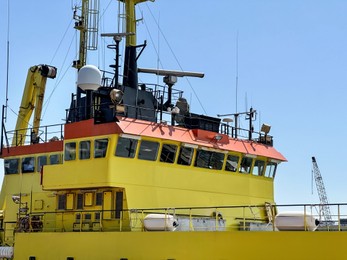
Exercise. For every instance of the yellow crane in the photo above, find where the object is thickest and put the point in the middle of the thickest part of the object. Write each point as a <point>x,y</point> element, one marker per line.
<point>32,99</point>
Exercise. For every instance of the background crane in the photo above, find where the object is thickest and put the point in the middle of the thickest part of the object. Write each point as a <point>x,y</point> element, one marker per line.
<point>321,192</point>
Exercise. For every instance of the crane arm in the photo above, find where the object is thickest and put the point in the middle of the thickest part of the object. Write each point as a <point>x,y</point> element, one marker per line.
<point>321,191</point>
<point>32,99</point>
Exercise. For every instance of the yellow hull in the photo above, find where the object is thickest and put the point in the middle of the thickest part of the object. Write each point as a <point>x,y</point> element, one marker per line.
<point>182,245</point>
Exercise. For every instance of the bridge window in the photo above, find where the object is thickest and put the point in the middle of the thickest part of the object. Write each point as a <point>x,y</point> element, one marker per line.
<point>54,159</point>
<point>148,150</point>
<point>70,151</point>
<point>78,217</point>
<point>168,153</point>
<point>126,147</point>
<point>28,164</point>
<point>87,217</point>
<point>98,199</point>
<point>259,167</point>
<point>186,155</point>
<point>246,165</point>
<point>62,201</point>
<point>100,148</point>
<point>41,161</point>
<point>11,166</point>
<point>79,204</point>
<point>270,170</point>
<point>119,204</point>
<point>209,160</point>
<point>84,150</point>
<point>232,163</point>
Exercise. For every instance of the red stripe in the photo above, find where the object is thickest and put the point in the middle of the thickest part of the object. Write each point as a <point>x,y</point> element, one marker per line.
<point>55,146</point>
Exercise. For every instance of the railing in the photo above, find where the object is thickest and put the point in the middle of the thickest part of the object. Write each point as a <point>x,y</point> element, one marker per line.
<point>338,216</point>
<point>45,134</point>
<point>222,218</point>
<point>165,111</point>
<point>190,121</point>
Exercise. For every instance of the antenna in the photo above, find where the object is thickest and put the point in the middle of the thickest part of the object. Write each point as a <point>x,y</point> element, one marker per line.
<point>237,68</point>
<point>158,52</point>
<point>8,57</point>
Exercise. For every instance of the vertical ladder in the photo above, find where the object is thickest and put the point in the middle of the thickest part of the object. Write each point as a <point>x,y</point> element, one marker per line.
<point>93,24</point>
<point>87,21</point>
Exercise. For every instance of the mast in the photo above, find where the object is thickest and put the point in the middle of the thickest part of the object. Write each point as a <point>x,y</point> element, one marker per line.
<point>87,24</point>
<point>80,25</point>
<point>130,78</point>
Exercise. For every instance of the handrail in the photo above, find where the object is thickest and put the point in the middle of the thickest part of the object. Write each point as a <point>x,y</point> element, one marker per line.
<point>166,118</point>
<point>46,134</point>
<point>216,218</point>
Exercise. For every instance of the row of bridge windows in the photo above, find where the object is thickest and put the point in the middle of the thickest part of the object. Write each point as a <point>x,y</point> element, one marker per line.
<point>185,155</point>
<point>31,163</point>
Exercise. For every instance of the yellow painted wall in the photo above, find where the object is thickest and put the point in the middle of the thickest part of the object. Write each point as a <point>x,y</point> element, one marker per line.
<point>182,245</point>
<point>169,184</point>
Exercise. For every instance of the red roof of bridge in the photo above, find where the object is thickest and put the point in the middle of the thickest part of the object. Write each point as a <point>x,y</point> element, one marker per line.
<point>87,128</point>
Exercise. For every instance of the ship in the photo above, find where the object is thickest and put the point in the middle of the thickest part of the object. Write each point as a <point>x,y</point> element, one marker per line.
<point>133,173</point>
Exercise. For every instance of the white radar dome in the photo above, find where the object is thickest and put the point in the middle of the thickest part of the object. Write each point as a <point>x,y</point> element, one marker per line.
<point>89,78</point>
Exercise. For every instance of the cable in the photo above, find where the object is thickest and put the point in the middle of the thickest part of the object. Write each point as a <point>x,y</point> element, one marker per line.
<point>17,115</point>
<point>154,46</point>
<point>175,57</point>
<point>60,79</point>
<point>61,41</point>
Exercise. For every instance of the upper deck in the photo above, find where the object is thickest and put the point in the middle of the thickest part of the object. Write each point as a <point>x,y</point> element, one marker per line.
<point>211,132</point>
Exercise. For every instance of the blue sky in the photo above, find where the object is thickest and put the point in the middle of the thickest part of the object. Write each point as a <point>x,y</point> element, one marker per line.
<point>292,63</point>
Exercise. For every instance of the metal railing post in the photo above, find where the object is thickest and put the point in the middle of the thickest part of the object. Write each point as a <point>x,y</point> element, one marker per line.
<point>305,224</point>
<point>244,218</point>
<point>191,228</point>
<point>273,218</point>
<point>143,223</point>
<point>46,134</point>
<point>216,216</point>
<point>121,221</point>
<point>338,217</point>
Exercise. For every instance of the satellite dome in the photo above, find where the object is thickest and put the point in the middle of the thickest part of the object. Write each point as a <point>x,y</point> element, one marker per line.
<point>89,78</point>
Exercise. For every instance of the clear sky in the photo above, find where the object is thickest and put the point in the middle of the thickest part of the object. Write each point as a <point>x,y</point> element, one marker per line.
<point>292,63</point>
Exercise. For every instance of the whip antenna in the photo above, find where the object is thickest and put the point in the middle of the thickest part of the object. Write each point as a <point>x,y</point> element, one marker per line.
<point>8,57</point>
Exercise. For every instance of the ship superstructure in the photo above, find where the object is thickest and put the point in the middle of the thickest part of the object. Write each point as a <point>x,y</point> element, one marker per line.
<point>132,159</point>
